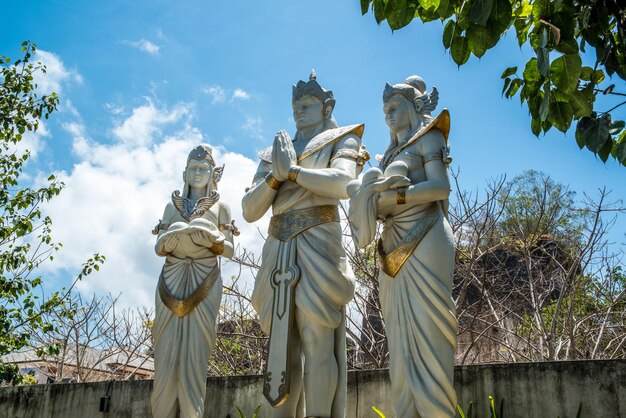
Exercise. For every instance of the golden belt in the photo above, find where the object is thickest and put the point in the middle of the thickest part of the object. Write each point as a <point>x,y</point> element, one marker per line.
<point>392,263</point>
<point>181,307</point>
<point>288,225</point>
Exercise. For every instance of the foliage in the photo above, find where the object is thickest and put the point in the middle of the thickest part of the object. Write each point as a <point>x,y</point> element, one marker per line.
<point>494,413</point>
<point>254,415</point>
<point>25,232</point>
<point>535,276</point>
<point>379,412</point>
<point>555,84</point>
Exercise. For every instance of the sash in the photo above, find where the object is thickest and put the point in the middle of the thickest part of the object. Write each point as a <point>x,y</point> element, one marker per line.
<point>392,263</point>
<point>182,307</point>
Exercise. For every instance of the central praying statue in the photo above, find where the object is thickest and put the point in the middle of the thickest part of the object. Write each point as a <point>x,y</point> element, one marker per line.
<point>305,280</point>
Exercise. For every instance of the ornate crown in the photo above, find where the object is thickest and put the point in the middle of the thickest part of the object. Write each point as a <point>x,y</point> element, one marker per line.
<point>414,90</point>
<point>313,88</point>
<point>202,152</point>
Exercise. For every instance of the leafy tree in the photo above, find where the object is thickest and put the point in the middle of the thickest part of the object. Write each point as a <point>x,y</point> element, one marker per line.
<point>555,85</point>
<point>25,232</point>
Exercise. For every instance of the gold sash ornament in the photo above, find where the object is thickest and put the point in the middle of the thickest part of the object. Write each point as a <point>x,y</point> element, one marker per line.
<point>288,225</point>
<point>392,263</point>
<point>284,280</point>
<point>181,307</point>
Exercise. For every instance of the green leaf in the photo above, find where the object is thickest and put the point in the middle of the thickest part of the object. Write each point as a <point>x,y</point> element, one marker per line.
<point>460,50</point>
<point>509,72</point>
<point>449,32</point>
<point>478,39</point>
<point>480,11</point>
<point>619,150</point>
<point>430,4</point>
<point>521,29</point>
<point>582,102</point>
<point>507,82</point>
<point>565,71</point>
<point>515,85</point>
<point>593,132</point>
<point>543,61</point>
<point>616,127</point>
<point>586,73</point>
<point>500,19</point>
<point>379,412</point>
<point>597,77</point>
<point>606,151</point>
<point>568,47</point>
<point>531,72</point>
<point>399,13</point>
<point>541,10</point>
<point>379,10</point>
<point>560,115</point>
<point>545,106</point>
<point>365,6</point>
<point>444,10</point>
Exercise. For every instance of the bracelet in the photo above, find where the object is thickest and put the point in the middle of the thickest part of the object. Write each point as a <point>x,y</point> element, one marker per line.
<point>272,182</point>
<point>217,248</point>
<point>401,196</point>
<point>293,173</point>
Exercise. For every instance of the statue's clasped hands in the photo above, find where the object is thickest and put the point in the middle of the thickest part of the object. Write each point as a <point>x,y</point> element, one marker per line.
<point>283,156</point>
<point>170,242</point>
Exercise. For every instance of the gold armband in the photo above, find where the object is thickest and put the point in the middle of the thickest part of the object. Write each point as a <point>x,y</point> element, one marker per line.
<point>272,182</point>
<point>345,153</point>
<point>401,196</point>
<point>293,173</point>
<point>217,248</point>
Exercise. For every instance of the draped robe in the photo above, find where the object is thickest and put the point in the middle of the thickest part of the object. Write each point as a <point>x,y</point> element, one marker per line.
<point>182,346</point>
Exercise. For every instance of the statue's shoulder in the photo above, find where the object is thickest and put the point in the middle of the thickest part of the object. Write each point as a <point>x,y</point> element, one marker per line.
<point>330,137</point>
<point>440,123</point>
<point>319,141</point>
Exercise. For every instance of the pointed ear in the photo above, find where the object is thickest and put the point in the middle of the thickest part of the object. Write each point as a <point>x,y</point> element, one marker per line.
<point>217,173</point>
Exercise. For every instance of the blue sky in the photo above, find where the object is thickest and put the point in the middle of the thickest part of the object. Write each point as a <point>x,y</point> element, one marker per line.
<point>143,78</point>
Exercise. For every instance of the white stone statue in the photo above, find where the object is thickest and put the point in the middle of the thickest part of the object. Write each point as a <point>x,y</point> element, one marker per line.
<point>196,228</point>
<point>410,197</point>
<point>305,280</point>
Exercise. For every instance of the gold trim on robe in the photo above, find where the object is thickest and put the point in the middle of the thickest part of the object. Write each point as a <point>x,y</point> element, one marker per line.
<point>392,262</point>
<point>181,307</point>
<point>288,225</point>
<point>319,141</point>
<point>441,122</point>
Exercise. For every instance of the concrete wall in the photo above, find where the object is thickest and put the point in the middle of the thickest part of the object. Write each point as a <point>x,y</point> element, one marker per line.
<point>537,390</point>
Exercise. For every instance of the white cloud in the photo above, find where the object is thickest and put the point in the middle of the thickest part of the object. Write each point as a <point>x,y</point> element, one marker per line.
<point>219,94</point>
<point>144,45</point>
<point>114,109</point>
<point>252,126</point>
<point>57,74</point>
<point>216,92</point>
<point>117,192</point>
<point>240,94</point>
<point>146,121</point>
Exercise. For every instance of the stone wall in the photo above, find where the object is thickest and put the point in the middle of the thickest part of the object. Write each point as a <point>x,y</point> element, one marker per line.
<point>537,390</point>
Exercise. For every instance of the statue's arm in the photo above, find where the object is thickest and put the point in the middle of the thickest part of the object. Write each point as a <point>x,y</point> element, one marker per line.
<point>225,218</point>
<point>259,198</point>
<point>161,247</point>
<point>437,184</point>
<point>332,181</point>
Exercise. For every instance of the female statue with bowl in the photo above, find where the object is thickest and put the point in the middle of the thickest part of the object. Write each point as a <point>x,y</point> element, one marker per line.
<point>195,230</point>
<point>409,195</point>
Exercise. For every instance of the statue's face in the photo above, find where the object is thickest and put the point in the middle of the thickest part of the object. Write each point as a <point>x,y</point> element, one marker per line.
<point>307,112</point>
<point>198,173</point>
<point>397,114</point>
